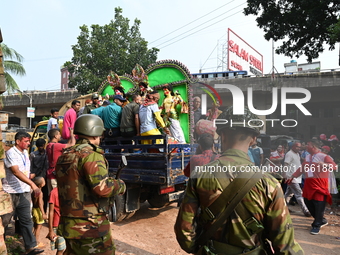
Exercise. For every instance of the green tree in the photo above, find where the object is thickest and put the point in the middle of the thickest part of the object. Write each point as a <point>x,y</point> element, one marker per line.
<point>12,65</point>
<point>305,26</point>
<point>113,47</point>
<point>334,31</point>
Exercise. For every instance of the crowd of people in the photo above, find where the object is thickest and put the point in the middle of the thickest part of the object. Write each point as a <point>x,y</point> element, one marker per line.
<point>142,116</point>
<point>307,171</point>
<point>73,194</point>
<point>307,175</point>
<point>67,203</point>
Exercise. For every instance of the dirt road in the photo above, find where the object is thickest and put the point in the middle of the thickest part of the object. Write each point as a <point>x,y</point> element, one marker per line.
<point>150,232</point>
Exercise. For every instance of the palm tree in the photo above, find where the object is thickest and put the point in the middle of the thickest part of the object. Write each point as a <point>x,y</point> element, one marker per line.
<point>12,65</point>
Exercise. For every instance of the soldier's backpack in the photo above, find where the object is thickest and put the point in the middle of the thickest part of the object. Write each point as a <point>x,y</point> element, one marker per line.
<point>66,171</point>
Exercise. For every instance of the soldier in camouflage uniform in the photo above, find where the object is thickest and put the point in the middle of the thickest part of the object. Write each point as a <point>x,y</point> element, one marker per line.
<point>264,204</point>
<point>85,190</point>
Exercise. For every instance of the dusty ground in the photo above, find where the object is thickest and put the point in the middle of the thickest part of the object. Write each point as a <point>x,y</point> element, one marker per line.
<point>150,232</point>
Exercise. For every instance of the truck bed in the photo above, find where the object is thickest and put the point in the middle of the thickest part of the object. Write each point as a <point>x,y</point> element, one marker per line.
<point>156,168</point>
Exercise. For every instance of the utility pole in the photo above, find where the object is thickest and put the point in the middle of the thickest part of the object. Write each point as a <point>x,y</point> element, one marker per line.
<point>272,72</point>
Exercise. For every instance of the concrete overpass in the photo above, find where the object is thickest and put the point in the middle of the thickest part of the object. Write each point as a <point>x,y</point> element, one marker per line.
<point>324,103</point>
<point>43,101</point>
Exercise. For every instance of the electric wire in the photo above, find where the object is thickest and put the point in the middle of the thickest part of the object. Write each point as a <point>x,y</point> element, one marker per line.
<point>209,56</point>
<point>198,30</point>
<point>191,22</point>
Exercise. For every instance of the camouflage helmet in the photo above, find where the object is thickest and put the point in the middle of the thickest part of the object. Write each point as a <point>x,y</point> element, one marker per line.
<point>248,121</point>
<point>95,96</point>
<point>89,125</point>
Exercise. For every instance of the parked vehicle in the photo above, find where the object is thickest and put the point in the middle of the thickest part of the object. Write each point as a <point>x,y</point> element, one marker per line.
<point>283,140</point>
<point>40,131</point>
<point>9,133</point>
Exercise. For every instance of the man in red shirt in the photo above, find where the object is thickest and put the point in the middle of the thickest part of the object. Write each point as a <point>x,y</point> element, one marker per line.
<point>316,168</point>
<point>54,149</point>
<point>69,119</point>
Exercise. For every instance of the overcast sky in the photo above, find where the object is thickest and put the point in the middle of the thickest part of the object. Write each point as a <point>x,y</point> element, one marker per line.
<point>190,31</point>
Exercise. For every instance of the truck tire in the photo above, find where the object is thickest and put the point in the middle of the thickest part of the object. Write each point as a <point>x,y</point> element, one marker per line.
<point>158,201</point>
<point>117,211</point>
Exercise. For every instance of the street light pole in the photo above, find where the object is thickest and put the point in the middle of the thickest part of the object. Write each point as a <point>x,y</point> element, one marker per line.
<point>30,98</point>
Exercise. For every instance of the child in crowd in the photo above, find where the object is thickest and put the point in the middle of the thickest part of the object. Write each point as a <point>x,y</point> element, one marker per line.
<point>53,121</point>
<point>57,242</point>
<point>38,212</point>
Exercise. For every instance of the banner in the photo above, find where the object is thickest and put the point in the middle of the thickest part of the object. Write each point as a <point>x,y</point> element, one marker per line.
<point>30,112</point>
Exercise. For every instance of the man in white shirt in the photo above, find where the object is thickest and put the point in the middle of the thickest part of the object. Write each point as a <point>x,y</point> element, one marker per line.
<point>292,162</point>
<point>18,185</point>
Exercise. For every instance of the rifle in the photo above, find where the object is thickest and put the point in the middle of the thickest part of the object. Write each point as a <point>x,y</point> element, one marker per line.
<point>268,166</point>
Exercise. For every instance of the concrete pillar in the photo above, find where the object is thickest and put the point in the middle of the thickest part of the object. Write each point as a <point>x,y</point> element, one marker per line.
<point>24,122</point>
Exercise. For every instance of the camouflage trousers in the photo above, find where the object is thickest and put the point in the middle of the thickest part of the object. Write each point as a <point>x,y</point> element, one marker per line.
<point>3,250</point>
<point>100,246</point>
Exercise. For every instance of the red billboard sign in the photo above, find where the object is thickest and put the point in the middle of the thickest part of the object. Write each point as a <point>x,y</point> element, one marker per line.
<point>241,56</point>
